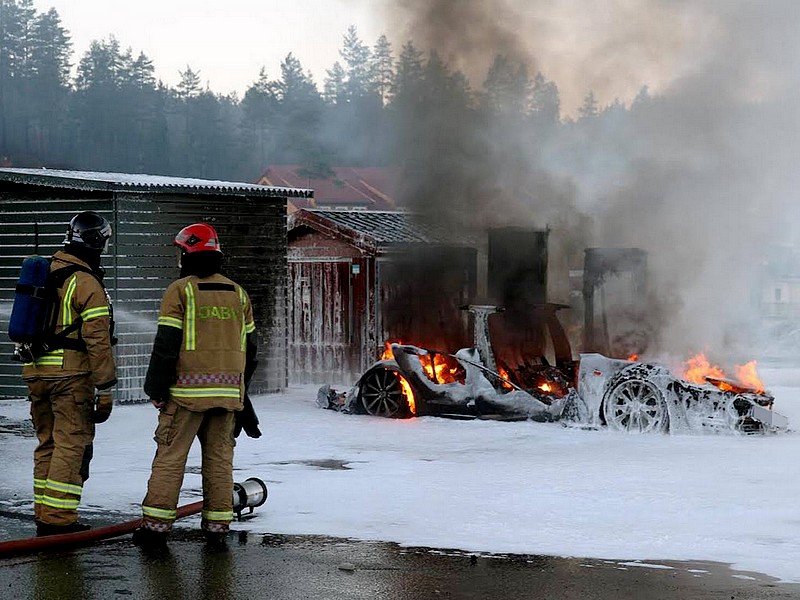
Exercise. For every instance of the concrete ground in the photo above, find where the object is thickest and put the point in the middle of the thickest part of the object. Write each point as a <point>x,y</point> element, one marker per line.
<point>295,567</point>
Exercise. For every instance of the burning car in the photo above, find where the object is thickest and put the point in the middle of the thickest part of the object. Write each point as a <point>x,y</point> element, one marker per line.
<point>594,391</point>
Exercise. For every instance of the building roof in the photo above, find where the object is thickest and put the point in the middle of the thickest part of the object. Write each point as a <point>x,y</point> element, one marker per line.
<point>372,230</point>
<point>138,183</point>
<point>349,187</point>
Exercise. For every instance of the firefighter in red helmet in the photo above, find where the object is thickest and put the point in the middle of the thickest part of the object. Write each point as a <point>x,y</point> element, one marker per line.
<point>203,357</point>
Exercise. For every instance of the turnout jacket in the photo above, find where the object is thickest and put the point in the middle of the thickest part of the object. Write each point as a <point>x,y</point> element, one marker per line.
<point>82,295</point>
<point>204,351</point>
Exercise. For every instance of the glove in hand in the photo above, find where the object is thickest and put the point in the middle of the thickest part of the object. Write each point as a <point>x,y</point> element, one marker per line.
<point>103,404</point>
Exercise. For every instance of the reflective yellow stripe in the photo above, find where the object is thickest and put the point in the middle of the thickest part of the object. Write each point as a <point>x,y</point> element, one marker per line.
<point>38,498</point>
<point>159,513</point>
<point>66,503</point>
<point>205,392</point>
<point>67,304</point>
<point>51,359</point>
<point>39,483</point>
<point>243,332</point>
<point>250,327</point>
<point>170,322</point>
<point>67,488</point>
<point>93,313</point>
<point>218,515</point>
<point>191,332</point>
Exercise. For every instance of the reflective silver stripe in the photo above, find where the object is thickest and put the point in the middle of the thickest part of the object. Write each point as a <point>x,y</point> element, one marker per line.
<point>159,513</point>
<point>67,488</point>
<point>171,322</point>
<point>189,319</point>
<point>93,313</point>
<point>39,483</point>
<point>38,498</point>
<point>218,515</point>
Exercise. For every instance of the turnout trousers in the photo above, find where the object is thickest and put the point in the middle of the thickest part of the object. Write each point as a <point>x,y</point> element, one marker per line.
<point>60,411</point>
<point>175,433</point>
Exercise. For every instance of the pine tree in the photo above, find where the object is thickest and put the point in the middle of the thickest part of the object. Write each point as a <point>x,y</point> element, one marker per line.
<point>101,66</point>
<point>16,23</point>
<point>381,68</point>
<point>356,56</point>
<point>507,88</point>
<point>259,108</point>
<point>334,91</point>
<point>408,77</point>
<point>189,85</point>
<point>545,100</point>
<point>49,87</point>
<point>589,107</point>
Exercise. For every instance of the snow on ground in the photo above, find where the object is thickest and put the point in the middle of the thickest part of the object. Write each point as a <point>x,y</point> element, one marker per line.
<point>483,486</point>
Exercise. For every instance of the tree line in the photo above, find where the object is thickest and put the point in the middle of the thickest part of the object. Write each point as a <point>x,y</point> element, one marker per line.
<point>114,115</point>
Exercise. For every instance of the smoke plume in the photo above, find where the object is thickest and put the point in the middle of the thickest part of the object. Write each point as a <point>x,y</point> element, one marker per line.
<point>699,171</point>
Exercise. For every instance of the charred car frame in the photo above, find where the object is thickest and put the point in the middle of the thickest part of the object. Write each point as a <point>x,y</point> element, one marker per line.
<point>593,391</point>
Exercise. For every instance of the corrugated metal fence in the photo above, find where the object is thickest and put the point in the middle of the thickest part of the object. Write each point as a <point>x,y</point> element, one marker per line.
<point>142,262</point>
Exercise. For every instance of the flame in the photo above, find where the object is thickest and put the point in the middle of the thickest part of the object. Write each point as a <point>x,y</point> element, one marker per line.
<point>504,374</point>
<point>387,350</point>
<point>698,368</point>
<point>747,375</point>
<point>438,369</point>
<point>408,394</point>
<point>546,387</point>
<point>633,358</point>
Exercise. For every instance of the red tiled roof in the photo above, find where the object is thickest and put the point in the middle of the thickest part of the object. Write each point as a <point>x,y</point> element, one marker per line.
<point>350,187</point>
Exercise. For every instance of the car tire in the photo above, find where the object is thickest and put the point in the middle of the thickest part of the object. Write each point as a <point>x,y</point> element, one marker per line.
<point>381,395</point>
<point>635,404</point>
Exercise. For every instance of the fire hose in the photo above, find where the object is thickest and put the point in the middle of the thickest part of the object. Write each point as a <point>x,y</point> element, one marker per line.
<point>249,494</point>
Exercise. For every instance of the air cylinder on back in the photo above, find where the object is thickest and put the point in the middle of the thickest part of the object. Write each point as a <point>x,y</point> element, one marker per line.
<point>29,311</point>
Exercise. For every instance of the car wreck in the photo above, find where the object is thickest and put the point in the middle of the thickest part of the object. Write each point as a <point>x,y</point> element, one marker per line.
<point>593,391</point>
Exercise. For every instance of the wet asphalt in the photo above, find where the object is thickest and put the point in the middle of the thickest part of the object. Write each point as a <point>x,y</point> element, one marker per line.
<point>300,567</point>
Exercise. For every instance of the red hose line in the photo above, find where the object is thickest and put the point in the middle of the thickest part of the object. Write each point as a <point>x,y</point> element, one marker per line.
<point>83,538</point>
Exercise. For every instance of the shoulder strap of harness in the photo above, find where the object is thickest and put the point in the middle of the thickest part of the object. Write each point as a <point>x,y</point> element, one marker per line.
<point>56,279</point>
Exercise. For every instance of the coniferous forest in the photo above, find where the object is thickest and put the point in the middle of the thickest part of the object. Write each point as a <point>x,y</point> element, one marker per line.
<point>106,110</point>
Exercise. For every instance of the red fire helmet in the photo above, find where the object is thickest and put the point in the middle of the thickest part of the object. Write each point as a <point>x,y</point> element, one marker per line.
<point>198,237</point>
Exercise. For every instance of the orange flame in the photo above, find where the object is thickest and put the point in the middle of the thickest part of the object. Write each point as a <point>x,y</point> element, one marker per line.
<point>504,374</point>
<point>408,394</point>
<point>633,358</point>
<point>387,351</point>
<point>747,375</point>
<point>438,369</point>
<point>698,369</point>
<point>546,387</point>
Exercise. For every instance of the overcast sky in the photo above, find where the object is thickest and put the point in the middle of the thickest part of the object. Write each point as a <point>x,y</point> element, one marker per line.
<point>644,42</point>
<point>612,47</point>
<point>228,42</point>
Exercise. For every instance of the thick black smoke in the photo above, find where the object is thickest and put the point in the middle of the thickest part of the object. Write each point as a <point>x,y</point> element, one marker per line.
<point>700,173</point>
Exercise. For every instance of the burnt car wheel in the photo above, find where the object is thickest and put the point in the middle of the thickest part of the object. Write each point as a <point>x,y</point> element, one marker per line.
<point>635,406</point>
<point>382,395</point>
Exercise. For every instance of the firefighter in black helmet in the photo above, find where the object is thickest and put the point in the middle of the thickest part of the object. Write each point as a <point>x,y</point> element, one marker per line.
<point>70,386</point>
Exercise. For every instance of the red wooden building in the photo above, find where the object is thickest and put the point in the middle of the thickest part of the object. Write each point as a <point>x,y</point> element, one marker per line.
<point>360,278</point>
